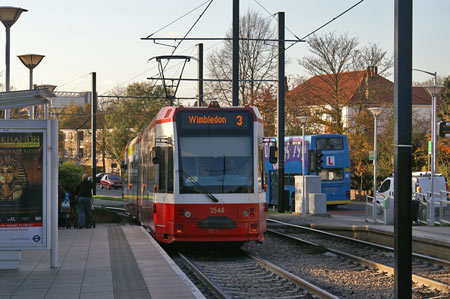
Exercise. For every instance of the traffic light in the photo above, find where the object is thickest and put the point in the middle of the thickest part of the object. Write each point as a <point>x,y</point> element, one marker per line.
<point>273,154</point>
<point>311,161</point>
<point>318,161</point>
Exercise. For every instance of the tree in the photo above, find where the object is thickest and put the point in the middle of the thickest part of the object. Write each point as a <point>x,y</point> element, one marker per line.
<point>372,55</point>
<point>340,79</point>
<point>443,143</point>
<point>257,61</point>
<point>265,101</point>
<point>129,116</point>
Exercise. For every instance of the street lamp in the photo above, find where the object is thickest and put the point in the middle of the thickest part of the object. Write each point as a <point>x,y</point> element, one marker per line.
<point>31,61</point>
<point>433,91</point>
<point>50,88</point>
<point>376,111</point>
<point>9,15</point>
<point>435,82</point>
<point>303,120</point>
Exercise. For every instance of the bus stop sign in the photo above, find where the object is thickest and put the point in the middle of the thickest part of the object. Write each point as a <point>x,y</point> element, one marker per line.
<point>444,129</point>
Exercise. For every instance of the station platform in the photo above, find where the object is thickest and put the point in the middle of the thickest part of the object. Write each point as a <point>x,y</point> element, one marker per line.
<point>353,220</point>
<point>110,261</point>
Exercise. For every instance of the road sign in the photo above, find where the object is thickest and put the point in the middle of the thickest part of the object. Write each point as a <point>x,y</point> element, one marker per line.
<point>444,129</point>
<point>371,155</point>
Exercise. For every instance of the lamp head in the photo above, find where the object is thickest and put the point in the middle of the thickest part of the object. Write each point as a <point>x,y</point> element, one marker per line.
<point>375,111</point>
<point>50,88</point>
<point>9,15</point>
<point>303,119</point>
<point>434,90</point>
<point>31,60</point>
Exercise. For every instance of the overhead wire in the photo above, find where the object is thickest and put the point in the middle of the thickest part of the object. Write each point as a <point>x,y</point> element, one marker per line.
<point>187,33</point>
<point>174,21</point>
<point>315,30</point>
<point>209,2</point>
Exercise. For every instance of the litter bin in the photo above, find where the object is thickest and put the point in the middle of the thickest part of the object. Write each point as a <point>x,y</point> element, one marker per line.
<point>414,210</point>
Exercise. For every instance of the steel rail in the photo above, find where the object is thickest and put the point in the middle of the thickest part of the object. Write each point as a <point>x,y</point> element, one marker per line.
<point>211,285</point>
<point>295,279</point>
<point>415,278</point>
<point>430,259</point>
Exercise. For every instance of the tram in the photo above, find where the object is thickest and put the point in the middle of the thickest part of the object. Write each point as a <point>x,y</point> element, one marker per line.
<point>196,174</point>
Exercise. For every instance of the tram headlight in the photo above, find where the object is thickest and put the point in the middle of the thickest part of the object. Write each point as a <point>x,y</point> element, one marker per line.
<point>246,213</point>
<point>187,214</point>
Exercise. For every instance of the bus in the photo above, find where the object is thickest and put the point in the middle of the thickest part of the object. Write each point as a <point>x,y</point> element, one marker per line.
<point>334,170</point>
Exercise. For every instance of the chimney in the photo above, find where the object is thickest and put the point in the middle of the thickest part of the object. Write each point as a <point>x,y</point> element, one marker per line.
<point>372,71</point>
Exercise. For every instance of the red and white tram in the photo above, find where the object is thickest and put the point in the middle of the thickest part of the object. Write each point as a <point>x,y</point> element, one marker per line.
<point>197,175</point>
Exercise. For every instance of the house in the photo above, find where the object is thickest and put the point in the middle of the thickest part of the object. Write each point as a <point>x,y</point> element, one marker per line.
<point>338,97</point>
<point>77,148</point>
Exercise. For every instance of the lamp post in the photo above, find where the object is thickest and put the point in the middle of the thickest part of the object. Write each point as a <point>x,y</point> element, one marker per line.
<point>9,15</point>
<point>376,112</point>
<point>303,121</point>
<point>31,61</point>
<point>50,88</point>
<point>435,82</point>
<point>433,90</point>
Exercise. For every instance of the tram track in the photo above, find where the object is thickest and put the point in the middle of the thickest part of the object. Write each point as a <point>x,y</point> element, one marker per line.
<point>428,271</point>
<point>240,275</point>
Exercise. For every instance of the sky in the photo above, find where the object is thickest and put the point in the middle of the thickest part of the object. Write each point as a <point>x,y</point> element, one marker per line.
<point>104,36</point>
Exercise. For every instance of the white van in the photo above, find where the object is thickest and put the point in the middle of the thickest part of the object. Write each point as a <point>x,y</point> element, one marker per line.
<point>421,182</point>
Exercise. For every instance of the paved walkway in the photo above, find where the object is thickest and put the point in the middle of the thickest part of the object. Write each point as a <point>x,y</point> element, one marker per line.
<point>110,261</point>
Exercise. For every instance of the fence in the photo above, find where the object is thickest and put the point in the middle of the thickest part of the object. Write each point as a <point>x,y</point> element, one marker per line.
<point>425,209</point>
<point>379,211</point>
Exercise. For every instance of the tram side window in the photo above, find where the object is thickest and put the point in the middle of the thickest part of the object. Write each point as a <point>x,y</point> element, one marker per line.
<point>162,170</point>
<point>261,170</point>
<point>166,170</point>
<point>169,170</point>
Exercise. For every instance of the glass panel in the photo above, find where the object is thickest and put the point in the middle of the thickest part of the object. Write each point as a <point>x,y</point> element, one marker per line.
<point>330,143</point>
<point>219,164</point>
<point>332,174</point>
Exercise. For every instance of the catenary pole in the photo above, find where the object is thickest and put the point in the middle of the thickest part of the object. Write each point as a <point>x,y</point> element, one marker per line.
<point>94,129</point>
<point>200,74</point>
<point>280,116</point>
<point>235,88</point>
<point>402,147</point>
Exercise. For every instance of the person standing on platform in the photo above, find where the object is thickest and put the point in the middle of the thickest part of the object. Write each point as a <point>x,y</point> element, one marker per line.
<point>84,206</point>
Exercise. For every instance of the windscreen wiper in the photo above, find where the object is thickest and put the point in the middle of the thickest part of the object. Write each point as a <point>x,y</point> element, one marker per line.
<point>199,187</point>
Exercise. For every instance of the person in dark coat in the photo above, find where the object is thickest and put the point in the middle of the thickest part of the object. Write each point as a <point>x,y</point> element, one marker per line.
<point>84,206</point>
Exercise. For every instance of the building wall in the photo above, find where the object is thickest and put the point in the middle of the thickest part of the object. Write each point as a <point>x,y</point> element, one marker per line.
<point>77,148</point>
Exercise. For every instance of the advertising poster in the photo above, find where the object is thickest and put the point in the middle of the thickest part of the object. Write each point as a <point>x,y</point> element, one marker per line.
<point>21,189</point>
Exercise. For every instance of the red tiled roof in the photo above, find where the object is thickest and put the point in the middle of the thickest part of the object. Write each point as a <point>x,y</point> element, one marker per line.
<point>317,88</point>
<point>351,89</point>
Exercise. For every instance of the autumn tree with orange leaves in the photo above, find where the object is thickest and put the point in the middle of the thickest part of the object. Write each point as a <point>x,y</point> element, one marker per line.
<point>443,143</point>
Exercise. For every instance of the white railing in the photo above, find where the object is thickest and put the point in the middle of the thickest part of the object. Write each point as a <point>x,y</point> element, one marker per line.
<point>444,208</point>
<point>433,211</point>
<point>380,212</point>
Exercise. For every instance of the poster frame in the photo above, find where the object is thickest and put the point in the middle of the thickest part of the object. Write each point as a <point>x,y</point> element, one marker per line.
<point>44,127</point>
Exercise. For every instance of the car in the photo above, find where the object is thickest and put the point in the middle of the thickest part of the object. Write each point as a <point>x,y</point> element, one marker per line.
<point>99,176</point>
<point>109,181</point>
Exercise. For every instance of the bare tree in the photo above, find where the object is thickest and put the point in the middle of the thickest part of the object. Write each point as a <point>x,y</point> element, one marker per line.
<point>372,55</point>
<point>342,76</point>
<point>257,60</point>
<point>332,57</point>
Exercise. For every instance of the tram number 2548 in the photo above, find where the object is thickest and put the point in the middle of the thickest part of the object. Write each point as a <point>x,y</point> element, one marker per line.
<point>217,210</point>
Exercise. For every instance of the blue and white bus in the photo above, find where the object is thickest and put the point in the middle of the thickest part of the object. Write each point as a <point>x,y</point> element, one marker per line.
<point>335,168</point>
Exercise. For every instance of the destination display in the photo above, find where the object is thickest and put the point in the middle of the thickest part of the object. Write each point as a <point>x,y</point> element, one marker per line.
<point>215,119</point>
<point>21,188</point>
